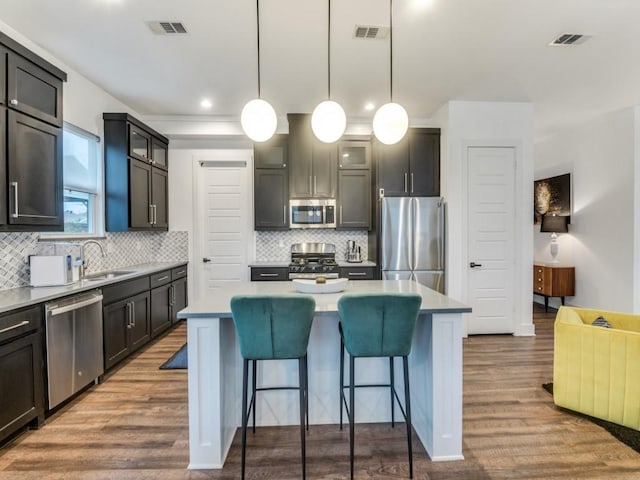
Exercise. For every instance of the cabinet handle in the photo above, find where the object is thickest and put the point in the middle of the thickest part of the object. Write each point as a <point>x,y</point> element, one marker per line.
<point>150,214</point>
<point>162,278</point>
<point>284,214</point>
<point>268,274</point>
<point>129,321</point>
<point>310,185</point>
<point>14,101</point>
<point>340,214</point>
<point>315,185</point>
<point>411,182</point>
<point>15,200</point>
<point>133,315</point>
<point>155,214</point>
<point>181,272</point>
<point>405,182</point>
<point>171,297</point>
<point>357,274</point>
<point>13,327</point>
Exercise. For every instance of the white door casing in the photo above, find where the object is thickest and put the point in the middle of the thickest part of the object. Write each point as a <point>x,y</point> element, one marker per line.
<point>491,207</point>
<point>223,219</point>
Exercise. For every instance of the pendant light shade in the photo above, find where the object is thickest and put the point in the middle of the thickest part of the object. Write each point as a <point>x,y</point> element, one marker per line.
<point>390,123</point>
<point>258,117</point>
<point>259,120</point>
<point>328,121</point>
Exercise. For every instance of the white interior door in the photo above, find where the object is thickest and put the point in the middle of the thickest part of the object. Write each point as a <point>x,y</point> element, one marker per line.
<point>224,218</point>
<point>491,237</point>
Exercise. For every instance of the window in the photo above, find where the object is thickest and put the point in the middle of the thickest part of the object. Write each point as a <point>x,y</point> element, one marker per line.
<point>83,192</point>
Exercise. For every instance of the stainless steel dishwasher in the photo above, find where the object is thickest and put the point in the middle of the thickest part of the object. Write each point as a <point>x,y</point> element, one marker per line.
<point>74,344</point>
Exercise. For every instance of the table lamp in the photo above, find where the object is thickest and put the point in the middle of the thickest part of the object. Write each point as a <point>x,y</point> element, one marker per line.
<point>554,224</point>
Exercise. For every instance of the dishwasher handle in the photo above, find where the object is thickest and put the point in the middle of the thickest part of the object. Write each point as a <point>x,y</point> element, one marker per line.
<point>74,306</point>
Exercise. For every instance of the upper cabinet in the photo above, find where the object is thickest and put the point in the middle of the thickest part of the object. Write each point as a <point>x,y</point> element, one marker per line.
<point>354,184</point>
<point>312,164</point>
<point>136,178</point>
<point>31,181</point>
<point>271,184</point>
<point>410,167</point>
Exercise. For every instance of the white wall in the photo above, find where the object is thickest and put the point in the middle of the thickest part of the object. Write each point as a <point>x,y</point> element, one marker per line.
<point>600,155</point>
<point>467,124</point>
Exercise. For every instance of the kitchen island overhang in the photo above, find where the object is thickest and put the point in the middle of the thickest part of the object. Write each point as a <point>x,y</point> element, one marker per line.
<point>215,364</point>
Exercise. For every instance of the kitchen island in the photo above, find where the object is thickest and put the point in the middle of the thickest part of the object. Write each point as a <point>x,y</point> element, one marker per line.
<point>215,372</point>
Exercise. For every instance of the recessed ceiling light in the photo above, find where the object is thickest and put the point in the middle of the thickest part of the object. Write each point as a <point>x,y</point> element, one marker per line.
<point>206,103</point>
<point>369,106</point>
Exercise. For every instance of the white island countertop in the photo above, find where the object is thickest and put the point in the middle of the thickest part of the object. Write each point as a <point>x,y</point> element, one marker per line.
<point>435,368</point>
<point>217,304</point>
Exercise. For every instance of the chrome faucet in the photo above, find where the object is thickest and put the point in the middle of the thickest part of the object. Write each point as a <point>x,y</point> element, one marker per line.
<point>83,261</point>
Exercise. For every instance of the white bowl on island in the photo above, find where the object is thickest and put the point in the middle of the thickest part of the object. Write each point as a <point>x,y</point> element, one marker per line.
<point>332,285</point>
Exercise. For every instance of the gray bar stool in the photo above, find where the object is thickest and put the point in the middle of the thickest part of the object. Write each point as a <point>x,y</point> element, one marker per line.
<point>377,325</point>
<point>273,327</point>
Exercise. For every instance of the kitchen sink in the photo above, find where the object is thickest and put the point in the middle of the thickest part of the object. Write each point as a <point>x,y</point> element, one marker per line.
<point>97,277</point>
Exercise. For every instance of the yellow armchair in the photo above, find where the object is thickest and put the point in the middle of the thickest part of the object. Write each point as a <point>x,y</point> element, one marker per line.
<point>596,370</point>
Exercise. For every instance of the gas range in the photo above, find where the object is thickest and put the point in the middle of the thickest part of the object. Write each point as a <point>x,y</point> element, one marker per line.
<point>312,260</point>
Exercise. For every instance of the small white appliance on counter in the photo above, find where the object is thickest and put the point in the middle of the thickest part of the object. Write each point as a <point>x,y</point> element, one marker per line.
<point>50,270</point>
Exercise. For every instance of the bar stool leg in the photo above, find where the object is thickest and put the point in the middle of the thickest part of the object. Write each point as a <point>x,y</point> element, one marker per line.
<point>407,403</point>
<point>253,397</point>
<point>352,412</point>
<point>245,381</point>
<point>341,380</point>
<point>302,372</point>
<point>306,390</point>
<point>392,386</point>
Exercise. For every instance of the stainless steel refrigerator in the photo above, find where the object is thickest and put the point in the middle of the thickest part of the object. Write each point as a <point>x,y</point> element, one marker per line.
<point>412,240</point>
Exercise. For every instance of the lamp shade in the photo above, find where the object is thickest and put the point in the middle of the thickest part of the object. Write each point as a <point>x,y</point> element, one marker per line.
<point>390,123</point>
<point>259,120</point>
<point>328,121</point>
<point>554,224</point>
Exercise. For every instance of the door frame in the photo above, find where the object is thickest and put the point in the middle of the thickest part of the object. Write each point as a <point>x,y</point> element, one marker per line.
<point>215,156</point>
<point>523,238</point>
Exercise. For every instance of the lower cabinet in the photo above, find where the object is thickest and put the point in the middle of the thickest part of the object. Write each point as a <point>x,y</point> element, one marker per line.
<point>126,327</point>
<point>21,371</point>
<point>261,274</point>
<point>179,297</point>
<point>358,273</point>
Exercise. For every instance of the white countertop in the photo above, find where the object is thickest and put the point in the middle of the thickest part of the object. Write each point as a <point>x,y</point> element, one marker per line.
<point>218,304</point>
<point>25,296</point>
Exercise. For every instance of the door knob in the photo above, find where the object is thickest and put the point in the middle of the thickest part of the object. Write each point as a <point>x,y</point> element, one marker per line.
<point>206,260</point>
<point>474,264</point>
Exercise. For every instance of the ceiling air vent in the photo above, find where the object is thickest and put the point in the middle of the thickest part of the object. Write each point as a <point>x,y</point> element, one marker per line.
<point>569,39</point>
<point>370,32</point>
<point>167,28</point>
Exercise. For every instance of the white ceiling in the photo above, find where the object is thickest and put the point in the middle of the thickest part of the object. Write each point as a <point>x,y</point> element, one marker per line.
<point>492,50</point>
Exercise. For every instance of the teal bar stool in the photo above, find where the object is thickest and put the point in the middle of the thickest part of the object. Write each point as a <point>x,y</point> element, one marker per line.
<point>377,325</point>
<point>273,327</point>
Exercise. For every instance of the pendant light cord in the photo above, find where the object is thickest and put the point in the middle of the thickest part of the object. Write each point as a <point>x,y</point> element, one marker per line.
<point>329,50</point>
<point>391,50</point>
<point>258,35</point>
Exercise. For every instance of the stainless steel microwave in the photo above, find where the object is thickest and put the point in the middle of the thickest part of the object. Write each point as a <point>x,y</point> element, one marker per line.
<point>314,213</point>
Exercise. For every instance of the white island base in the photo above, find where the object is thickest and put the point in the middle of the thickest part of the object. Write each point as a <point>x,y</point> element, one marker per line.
<point>215,373</point>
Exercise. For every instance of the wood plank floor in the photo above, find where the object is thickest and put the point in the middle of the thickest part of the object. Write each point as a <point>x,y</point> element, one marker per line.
<point>134,426</point>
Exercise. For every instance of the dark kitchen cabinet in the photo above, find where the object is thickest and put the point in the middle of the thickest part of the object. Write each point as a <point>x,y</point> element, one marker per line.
<point>21,370</point>
<point>354,154</point>
<point>34,173</point>
<point>30,141</point>
<point>312,164</point>
<point>161,300</point>
<point>412,166</point>
<point>179,287</point>
<point>126,318</point>
<point>271,184</point>
<point>136,178</point>
<point>358,273</point>
<point>266,274</point>
<point>354,199</point>
<point>33,91</point>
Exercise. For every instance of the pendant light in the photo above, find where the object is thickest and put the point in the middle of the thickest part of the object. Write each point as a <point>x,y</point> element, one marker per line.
<point>390,123</point>
<point>258,118</point>
<point>328,120</point>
